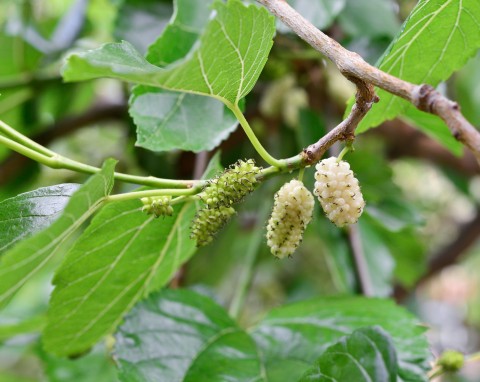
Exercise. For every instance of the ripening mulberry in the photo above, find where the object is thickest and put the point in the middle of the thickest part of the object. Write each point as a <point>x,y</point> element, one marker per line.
<point>232,185</point>
<point>338,191</point>
<point>208,222</point>
<point>158,206</point>
<point>292,211</point>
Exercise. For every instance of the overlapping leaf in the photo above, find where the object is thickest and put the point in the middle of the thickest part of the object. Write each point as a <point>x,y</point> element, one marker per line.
<point>25,214</point>
<point>181,336</point>
<point>364,356</point>
<point>169,120</point>
<point>30,255</point>
<point>225,65</point>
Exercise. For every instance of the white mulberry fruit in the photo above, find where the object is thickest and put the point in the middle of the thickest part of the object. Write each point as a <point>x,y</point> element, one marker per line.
<point>292,211</point>
<point>338,191</point>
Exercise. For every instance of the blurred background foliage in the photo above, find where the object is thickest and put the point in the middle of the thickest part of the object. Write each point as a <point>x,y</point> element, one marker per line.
<point>419,233</point>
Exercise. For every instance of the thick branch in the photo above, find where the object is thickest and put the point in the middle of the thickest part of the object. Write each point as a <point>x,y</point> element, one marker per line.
<point>353,67</point>
<point>345,130</point>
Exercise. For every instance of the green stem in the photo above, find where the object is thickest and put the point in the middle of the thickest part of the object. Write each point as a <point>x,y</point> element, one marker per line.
<point>345,150</point>
<point>25,146</point>
<point>28,152</point>
<point>25,141</point>
<point>300,174</point>
<point>151,193</point>
<point>254,140</point>
<point>248,262</point>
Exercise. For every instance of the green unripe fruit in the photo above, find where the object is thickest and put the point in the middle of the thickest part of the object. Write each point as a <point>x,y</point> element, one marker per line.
<point>232,185</point>
<point>157,205</point>
<point>208,222</point>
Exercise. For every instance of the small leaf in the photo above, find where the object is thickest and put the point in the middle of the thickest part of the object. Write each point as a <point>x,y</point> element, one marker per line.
<point>225,64</point>
<point>365,355</point>
<point>290,338</point>
<point>120,257</point>
<point>320,13</point>
<point>25,214</point>
<point>181,336</point>
<point>436,40</point>
<point>30,255</point>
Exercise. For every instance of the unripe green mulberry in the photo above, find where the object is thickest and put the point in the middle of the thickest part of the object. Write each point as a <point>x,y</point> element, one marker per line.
<point>208,222</point>
<point>292,211</point>
<point>338,191</point>
<point>232,185</point>
<point>157,205</point>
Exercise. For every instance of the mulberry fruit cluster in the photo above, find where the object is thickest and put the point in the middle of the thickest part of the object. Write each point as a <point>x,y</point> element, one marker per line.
<point>208,222</point>
<point>232,185</point>
<point>338,191</point>
<point>219,195</point>
<point>292,211</point>
<point>158,206</point>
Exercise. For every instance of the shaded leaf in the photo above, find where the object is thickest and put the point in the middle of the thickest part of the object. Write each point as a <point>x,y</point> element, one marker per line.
<point>370,18</point>
<point>365,355</point>
<point>25,214</point>
<point>141,21</point>
<point>30,255</point>
<point>290,338</point>
<point>120,257</point>
<point>225,65</point>
<point>179,335</point>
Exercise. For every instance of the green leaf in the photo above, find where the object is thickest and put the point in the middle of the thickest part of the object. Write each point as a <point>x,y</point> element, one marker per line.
<point>19,264</point>
<point>179,335</point>
<point>366,355</point>
<point>320,13</point>
<point>290,338</point>
<point>169,120</point>
<point>436,40</point>
<point>25,214</point>
<point>120,257</point>
<point>225,65</point>
<point>369,18</point>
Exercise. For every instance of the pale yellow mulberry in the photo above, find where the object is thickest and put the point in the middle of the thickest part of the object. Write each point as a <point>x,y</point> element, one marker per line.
<point>338,191</point>
<point>292,211</point>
